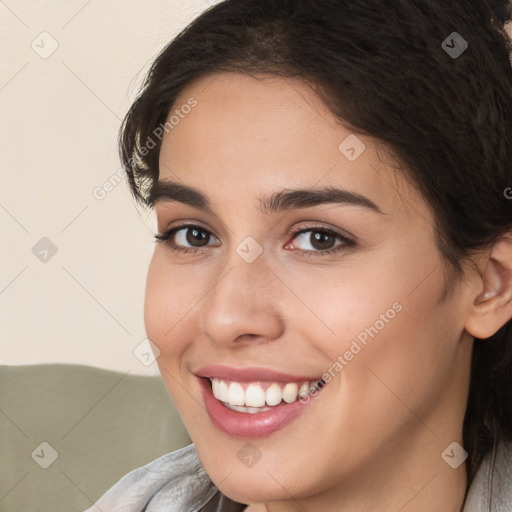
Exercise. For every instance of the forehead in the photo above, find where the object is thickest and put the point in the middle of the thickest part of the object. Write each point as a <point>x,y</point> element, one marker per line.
<point>247,136</point>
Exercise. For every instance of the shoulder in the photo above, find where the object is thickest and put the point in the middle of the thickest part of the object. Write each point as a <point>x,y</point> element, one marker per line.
<point>174,482</point>
<point>491,489</point>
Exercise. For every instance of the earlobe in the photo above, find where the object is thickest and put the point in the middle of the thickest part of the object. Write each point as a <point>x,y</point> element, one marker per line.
<point>492,307</point>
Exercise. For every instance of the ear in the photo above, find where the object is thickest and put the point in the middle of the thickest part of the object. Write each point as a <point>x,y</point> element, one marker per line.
<point>492,305</point>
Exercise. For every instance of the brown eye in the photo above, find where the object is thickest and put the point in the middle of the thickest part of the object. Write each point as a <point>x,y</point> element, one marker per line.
<point>321,241</point>
<point>196,236</point>
<point>185,237</point>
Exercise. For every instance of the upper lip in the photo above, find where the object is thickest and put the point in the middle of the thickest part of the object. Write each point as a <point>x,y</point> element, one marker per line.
<point>249,374</point>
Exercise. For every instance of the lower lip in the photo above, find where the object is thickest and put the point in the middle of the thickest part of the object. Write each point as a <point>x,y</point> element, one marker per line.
<point>243,424</point>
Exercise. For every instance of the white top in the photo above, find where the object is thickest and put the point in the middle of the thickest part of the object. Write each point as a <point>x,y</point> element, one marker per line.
<point>177,482</point>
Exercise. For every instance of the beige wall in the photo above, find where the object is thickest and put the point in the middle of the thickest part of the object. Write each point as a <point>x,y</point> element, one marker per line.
<point>60,114</point>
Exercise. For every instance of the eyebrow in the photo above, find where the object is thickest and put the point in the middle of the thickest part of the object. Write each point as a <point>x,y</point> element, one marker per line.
<point>285,200</point>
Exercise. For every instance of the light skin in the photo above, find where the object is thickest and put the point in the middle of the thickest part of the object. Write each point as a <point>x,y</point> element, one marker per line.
<point>372,439</point>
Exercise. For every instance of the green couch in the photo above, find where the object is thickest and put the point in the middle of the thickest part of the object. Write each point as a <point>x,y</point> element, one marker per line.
<point>69,432</point>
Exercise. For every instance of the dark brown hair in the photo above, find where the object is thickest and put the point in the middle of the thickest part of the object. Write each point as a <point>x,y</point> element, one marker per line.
<point>381,68</point>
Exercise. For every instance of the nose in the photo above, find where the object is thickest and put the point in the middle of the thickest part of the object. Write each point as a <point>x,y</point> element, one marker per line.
<point>244,303</point>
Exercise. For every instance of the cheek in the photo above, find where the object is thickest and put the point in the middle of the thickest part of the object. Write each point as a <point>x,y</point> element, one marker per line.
<point>392,296</point>
<point>382,330</point>
<point>405,364</point>
<point>171,295</point>
<point>358,302</point>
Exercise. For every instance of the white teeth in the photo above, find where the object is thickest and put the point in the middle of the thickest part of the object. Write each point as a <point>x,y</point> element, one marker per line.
<point>220,390</point>
<point>215,388</point>
<point>254,398</point>
<point>273,395</point>
<point>304,390</point>
<point>290,392</point>
<point>236,394</point>
<point>250,410</point>
<point>223,391</point>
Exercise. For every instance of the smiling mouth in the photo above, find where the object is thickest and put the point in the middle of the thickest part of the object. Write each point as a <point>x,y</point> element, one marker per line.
<point>256,397</point>
<point>240,405</point>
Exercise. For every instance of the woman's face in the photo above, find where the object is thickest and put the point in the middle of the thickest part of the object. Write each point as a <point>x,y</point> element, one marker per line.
<point>365,315</point>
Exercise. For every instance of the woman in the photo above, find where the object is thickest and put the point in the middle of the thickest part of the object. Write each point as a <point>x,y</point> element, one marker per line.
<point>331,287</point>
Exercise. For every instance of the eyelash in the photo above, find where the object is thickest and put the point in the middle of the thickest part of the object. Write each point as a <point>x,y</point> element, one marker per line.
<point>166,238</point>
